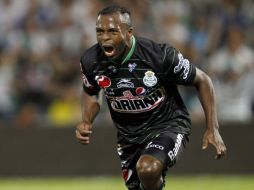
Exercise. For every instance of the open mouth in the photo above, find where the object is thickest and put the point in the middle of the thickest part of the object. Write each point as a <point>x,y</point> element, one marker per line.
<point>109,50</point>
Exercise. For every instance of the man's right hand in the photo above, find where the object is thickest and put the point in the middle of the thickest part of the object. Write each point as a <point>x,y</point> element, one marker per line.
<point>83,132</point>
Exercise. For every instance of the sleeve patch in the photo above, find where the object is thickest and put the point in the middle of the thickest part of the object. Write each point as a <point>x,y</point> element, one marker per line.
<point>86,82</point>
<point>182,64</point>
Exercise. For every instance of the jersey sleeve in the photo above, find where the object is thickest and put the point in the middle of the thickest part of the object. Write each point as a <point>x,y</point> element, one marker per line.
<point>90,86</point>
<point>176,68</point>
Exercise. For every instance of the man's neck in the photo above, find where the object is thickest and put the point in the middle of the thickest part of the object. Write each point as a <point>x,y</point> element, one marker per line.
<point>127,53</point>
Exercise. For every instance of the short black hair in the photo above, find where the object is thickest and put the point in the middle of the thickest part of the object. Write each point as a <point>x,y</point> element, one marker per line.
<point>117,9</point>
<point>114,9</point>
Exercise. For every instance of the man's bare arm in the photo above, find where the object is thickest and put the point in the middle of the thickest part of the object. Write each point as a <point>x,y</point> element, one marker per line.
<point>206,96</point>
<point>90,107</point>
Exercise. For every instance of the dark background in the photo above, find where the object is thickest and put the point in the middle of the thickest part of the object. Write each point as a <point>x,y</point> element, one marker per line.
<point>55,152</point>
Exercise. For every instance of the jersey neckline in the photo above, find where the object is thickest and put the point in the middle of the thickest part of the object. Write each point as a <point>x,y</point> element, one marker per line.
<point>130,53</point>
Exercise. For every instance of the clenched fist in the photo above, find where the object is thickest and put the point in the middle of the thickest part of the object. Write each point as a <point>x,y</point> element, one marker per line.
<point>83,132</point>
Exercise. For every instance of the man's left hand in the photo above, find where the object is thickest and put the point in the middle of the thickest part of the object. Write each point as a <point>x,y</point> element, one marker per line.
<point>212,136</point>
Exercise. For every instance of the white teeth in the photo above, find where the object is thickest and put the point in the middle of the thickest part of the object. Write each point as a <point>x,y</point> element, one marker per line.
<point>109,54</point>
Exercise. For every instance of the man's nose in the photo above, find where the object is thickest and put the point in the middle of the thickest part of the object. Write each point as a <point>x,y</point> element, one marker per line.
<point>105,36</point>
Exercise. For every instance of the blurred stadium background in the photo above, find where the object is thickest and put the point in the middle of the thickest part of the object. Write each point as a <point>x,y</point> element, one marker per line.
<point>40,85</point>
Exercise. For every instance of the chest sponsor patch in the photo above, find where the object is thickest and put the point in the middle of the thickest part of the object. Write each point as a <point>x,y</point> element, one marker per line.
<point>140,91</point>
<point>125,83</point>
<point>132,66</point>
<point>103,81</point>
<point>128,103</point>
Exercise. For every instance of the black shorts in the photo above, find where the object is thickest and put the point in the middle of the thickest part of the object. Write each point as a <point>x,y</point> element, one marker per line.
<point>166,146</point>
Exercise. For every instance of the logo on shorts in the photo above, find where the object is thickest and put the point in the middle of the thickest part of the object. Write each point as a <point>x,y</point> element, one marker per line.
<point>172,153</point>
<point>151,145</point>
<point>132,184</point>
<point>150,79</point>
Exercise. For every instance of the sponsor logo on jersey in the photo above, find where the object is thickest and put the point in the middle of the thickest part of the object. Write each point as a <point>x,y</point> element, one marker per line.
<point>182,64</point>
<point>125,83</point>
<point>103,81</point>
<point>150,79</point>
<point>140,91</point>
<point>172,153</point>
<point>136,104</point>
<point>86,82</point>
<point>109,92</point>
<point>132,66</point>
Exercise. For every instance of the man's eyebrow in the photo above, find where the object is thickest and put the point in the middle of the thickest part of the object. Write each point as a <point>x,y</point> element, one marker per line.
<point>113,29</point>
<point>99,29</point>
<point>110,29</point>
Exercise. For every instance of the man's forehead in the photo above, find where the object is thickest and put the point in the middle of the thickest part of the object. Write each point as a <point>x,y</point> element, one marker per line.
<point>112,18</point>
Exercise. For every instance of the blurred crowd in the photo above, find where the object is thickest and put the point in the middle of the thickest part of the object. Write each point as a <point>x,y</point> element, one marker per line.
<point>41,42</point>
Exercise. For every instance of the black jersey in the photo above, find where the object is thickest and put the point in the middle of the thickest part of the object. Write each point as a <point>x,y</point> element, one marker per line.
<point>141,91</point>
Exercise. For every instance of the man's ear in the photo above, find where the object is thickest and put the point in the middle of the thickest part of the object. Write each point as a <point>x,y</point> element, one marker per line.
<point>130,32</point>
<point>129,35</point>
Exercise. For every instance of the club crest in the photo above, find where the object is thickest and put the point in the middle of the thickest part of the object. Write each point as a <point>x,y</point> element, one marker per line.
<point>150,79</point>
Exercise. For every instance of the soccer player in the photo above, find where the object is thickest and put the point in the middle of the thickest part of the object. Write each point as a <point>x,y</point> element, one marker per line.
<point>139,79</point>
